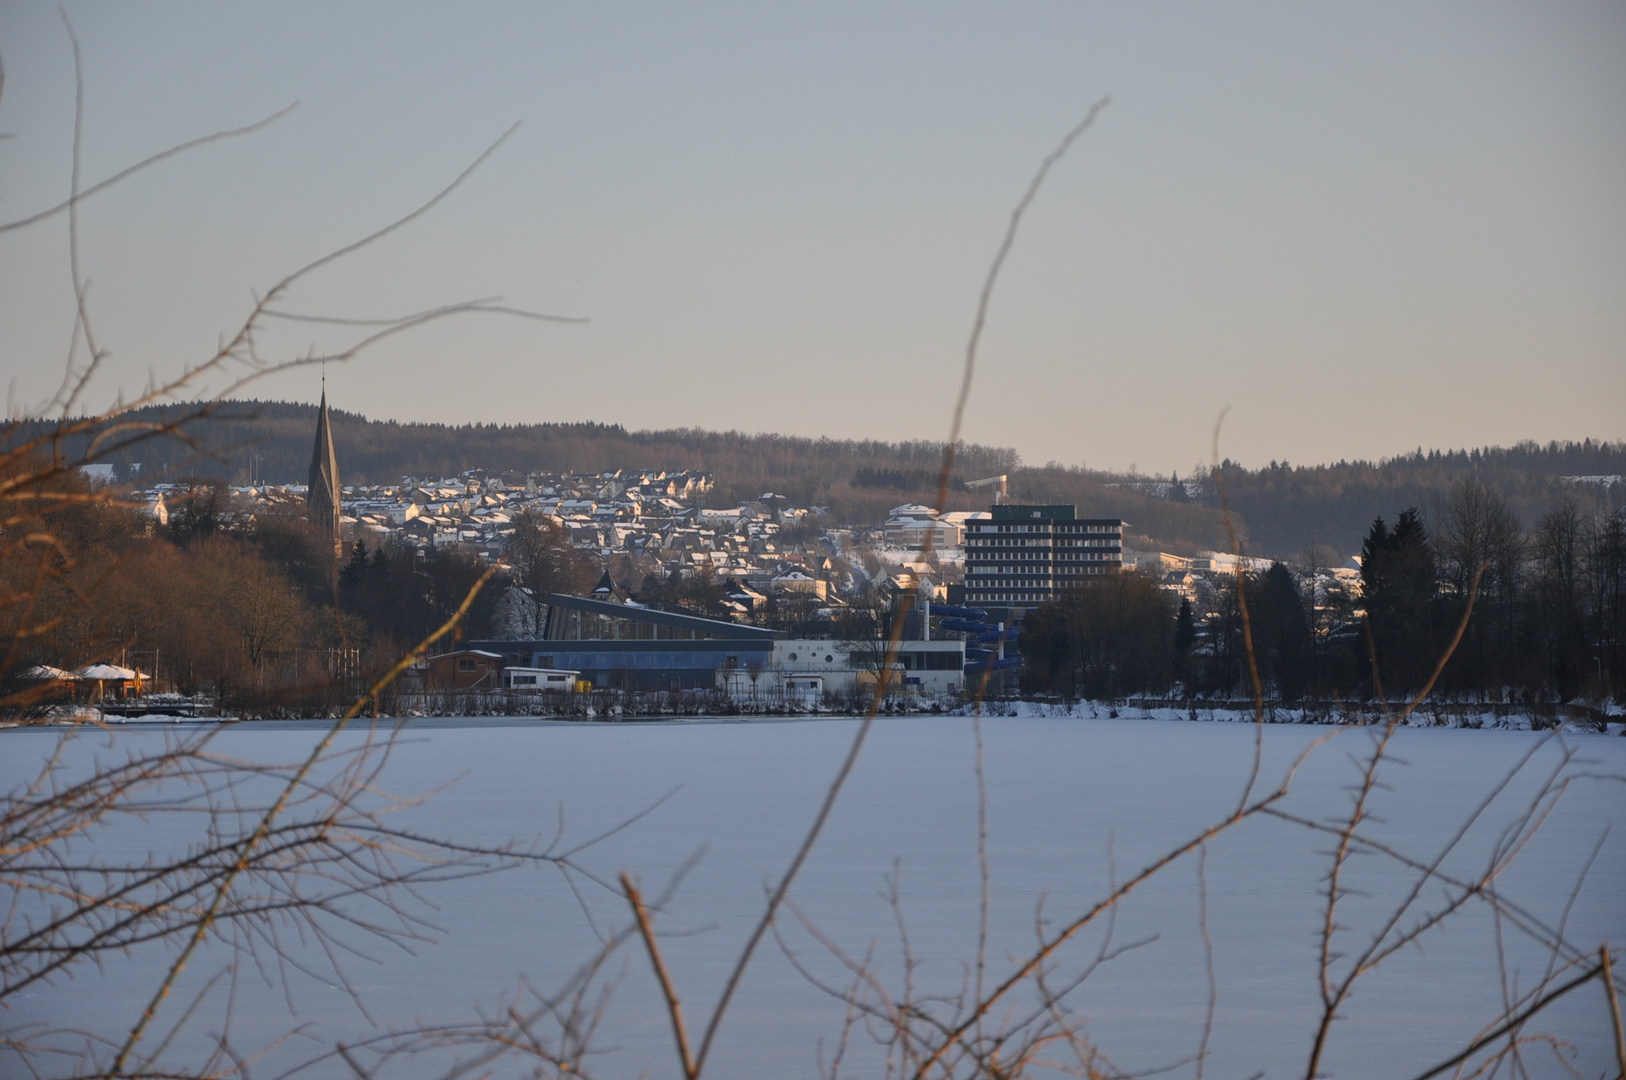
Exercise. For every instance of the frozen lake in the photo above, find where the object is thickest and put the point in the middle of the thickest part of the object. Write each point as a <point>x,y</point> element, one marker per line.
<point>1072,806</point>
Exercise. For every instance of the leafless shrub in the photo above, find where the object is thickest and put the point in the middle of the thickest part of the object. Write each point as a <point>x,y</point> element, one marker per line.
<point>304,850</point>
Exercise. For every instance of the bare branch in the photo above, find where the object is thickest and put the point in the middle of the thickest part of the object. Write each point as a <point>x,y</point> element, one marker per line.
<point>674,1005</point>
<point>1614,1008</point>
<point>845,770</point>
<point>163,155</point>
<point>1512,1023</point>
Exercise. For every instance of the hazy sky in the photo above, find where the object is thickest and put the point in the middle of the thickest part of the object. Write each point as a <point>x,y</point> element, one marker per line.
<point>1364,227</point>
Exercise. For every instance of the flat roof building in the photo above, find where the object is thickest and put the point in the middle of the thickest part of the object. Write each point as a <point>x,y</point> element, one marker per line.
<point>618,646</point>
<point>626,647</point>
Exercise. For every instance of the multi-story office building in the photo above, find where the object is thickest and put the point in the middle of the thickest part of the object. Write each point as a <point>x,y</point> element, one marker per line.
<point>1025,555</point>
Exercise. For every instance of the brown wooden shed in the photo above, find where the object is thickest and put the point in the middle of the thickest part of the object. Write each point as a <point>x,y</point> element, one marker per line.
<point>465,669</point>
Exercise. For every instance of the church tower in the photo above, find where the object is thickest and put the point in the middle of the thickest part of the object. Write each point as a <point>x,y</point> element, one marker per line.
<point>322,497</point>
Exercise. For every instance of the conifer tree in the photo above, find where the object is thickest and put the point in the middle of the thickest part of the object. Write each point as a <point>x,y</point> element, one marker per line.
<point>1399,590</point>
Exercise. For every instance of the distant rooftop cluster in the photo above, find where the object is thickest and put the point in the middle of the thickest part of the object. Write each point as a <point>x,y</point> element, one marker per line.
<point>644,522</point>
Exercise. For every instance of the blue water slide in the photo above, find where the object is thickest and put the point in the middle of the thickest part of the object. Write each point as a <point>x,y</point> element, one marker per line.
<point>963,626</point>
<point>990,637</point>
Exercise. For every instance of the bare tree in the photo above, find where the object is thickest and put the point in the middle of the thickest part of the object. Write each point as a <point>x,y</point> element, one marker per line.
<point>1476,527</point>
<point>543,561</point>
<point>1559,549</point>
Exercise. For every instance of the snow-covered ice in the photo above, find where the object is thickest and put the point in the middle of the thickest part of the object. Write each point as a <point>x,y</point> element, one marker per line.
<point>1073,806</point>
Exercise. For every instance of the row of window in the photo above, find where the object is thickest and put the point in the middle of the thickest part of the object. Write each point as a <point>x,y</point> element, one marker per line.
<point>931,660</point>
<point>1059,557</point>
<point>1046,542</point>
<point>1042,570</point>
<point>1008,542</point>
<point>568,624</point>
<point>1045,527</point>
<point>1034,573</point>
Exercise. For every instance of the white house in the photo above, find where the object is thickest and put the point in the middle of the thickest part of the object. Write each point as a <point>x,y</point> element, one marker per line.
<point>526,679</point>
<point>806,669</point>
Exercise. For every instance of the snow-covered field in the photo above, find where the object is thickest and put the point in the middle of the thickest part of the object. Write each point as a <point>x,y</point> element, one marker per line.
<point>1073,805</point>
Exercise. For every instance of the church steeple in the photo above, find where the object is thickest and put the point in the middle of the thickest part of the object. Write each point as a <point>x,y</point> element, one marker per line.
<point>322,496</point>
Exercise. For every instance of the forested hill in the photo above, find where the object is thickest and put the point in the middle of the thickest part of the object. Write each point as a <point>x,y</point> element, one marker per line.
<point>1279,509</point>
<point>1289,508</point>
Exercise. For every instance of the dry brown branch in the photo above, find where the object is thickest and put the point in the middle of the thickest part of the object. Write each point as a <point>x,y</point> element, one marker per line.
<point>1028,967</point>
<point>1522,919</point>
<point>572,1008</point>
<point>1208,960</point>
<point>296,859</point>
<point>984,898</point>
<point>778,894</point>
<point>1333,995</point>
<point>1513,1023</point>
<point>1614,1008</point>
<point>131,170</point>
<point>1247,624</point>
<point>674,1004</point>
<point>263,830</point>
<point>109,434</point>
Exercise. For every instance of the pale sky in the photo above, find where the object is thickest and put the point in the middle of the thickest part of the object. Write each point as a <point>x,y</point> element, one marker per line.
<point>1363,227</point>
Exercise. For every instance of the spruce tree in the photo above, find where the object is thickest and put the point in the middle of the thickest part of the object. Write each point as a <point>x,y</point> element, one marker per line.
<point>1399,589</point>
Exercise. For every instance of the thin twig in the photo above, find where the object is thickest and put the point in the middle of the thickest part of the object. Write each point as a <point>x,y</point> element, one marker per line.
<point>1247,624</point>
<point>1208,959</point>
<point>263,829</point>
<point>123,174</point>
<point>984,901</point>
<point>777,896</point>
<point>1614,1009</point>
<point>1516,1021</point>
<point>674,1005</point>
<point>1333,997</point>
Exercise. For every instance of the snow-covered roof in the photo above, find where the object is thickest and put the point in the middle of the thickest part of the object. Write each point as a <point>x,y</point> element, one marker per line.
<point>106,672</point>
<point>41,672</point>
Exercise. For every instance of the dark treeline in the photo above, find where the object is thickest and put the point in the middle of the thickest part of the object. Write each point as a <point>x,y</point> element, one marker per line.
<point>1291,508</point>
<point>1548,622</point>
<point>1278,510</point>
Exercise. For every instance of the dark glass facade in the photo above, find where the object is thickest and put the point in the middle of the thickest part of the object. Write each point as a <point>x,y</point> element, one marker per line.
<point>1025,555</point>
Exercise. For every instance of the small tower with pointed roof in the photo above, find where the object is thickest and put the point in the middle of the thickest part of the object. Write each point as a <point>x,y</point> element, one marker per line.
<point>322,495</point>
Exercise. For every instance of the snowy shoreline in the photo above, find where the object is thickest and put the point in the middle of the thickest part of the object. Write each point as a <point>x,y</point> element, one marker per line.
<point>1568,719</point>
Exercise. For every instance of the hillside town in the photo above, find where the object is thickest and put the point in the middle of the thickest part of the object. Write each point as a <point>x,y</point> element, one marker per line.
<point>798,602</point>
<point>647,582</point>
<point>638,522</point>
